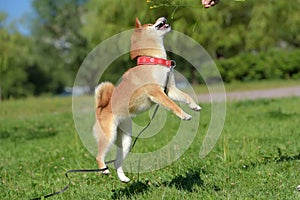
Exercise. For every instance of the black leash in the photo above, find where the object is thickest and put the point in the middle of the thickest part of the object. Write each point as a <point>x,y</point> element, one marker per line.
<point>67,186</point>
<point>137,137</point>
<point>111,161</point>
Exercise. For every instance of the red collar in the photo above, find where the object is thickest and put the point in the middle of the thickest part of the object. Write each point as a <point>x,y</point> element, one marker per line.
<point>145,60</point>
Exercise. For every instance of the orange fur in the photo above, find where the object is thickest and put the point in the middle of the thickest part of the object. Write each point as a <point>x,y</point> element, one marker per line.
<point>103,93</point>
<point>141,87</point>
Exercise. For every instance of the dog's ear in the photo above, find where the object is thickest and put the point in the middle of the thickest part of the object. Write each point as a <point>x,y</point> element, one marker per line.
<point>137,23</point>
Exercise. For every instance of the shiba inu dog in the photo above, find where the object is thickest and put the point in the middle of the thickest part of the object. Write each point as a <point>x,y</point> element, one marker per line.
<point>140,88</point>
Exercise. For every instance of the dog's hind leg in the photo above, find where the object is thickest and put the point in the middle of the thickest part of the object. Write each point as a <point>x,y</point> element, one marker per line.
<point>105,132</point>
<point>123,143</point>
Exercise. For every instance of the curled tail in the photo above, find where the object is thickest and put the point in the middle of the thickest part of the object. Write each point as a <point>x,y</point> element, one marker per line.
<point>103,93</point>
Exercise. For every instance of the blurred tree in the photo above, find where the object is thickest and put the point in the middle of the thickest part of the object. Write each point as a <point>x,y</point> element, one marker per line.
<point>14,62</point>
<point>59,45</point>
<point>104,19</point>
<point>64,31</point>
<point>286,18</point>
<point>234,27</point>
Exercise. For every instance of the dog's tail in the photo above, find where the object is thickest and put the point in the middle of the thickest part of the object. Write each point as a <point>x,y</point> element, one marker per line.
<point>103,93</point>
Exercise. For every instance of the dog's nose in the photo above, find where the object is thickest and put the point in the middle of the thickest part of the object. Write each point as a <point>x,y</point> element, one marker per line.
<point>162,19</point>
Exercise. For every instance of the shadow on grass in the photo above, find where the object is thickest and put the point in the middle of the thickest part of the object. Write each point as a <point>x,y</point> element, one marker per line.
<point>281,115</point>
<point>285,158</point>
<point>28,132</point>
<point>281,157</point>
<point>186,182</point>
<point>132,189</point>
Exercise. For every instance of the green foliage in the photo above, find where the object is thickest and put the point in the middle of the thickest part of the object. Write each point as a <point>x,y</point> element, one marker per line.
<point>59,47</point>
<point>274,64</point>
<point>256,158</point>
<point>63,32</point>
<point>106,18</point>
<point>233,27</point>
<point>15,59</point>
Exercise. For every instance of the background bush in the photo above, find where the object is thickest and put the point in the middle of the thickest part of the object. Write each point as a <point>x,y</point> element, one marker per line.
<point>273,64</point>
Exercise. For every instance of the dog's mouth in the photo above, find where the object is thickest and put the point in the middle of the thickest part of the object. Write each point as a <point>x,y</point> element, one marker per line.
<point>162,24</point>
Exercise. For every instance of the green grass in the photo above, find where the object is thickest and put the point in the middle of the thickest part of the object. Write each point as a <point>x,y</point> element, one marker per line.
<point>252,85</point>
<point>256,157</point>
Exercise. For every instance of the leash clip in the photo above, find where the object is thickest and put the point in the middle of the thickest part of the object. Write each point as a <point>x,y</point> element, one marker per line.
<point>173,64</point>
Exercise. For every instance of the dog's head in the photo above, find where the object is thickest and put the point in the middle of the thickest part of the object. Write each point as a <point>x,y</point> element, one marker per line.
<point>147,39</point>
<point>159,28</point>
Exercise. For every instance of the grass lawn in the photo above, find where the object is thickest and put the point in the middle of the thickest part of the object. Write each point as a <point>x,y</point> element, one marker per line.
<point>253,85</point>
<point>256,157</point>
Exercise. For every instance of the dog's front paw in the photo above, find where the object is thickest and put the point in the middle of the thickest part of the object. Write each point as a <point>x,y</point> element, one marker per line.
<point>195,107</point>
<point>186,117</point>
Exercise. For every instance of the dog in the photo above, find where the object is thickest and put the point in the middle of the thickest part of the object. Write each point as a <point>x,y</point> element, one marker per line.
<point>140,88</point>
